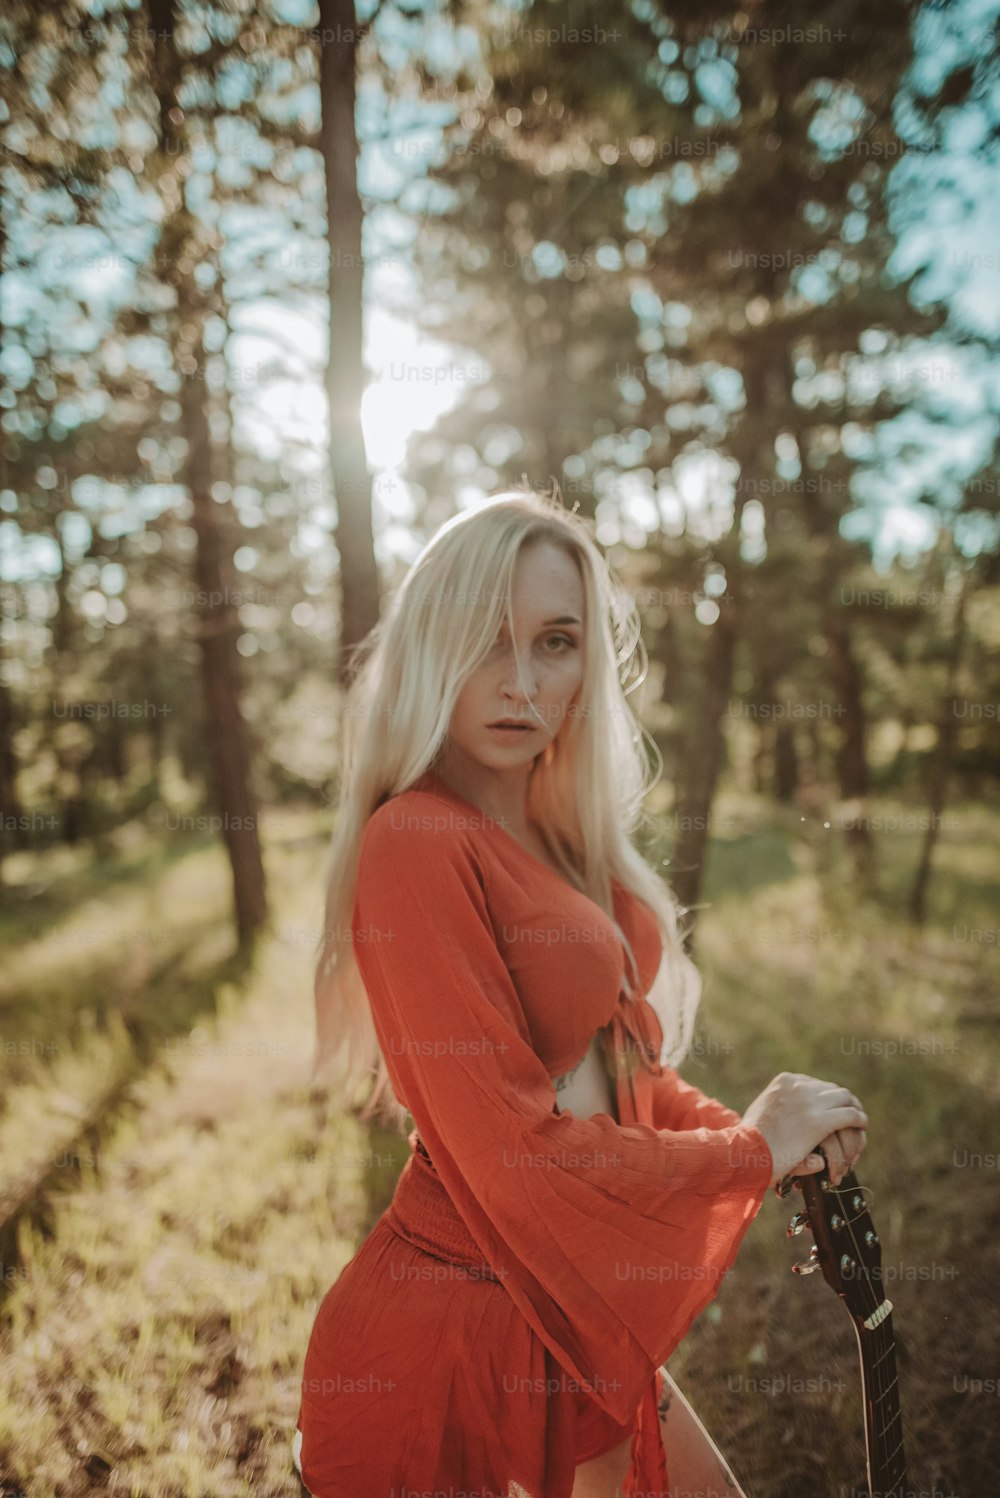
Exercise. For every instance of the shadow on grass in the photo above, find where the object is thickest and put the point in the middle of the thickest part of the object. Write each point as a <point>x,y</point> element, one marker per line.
<point>151,1026</point>
<point>51,1015</point>
<point>30,909</point>
<point>35,1201</point>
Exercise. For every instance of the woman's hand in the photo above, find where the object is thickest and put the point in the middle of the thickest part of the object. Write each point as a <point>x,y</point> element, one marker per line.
<point>843,1150</point>
<point>796,1112</point>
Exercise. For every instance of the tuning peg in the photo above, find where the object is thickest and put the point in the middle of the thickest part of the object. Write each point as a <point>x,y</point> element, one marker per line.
<point>798,1222</point>
<point>811,1263</point>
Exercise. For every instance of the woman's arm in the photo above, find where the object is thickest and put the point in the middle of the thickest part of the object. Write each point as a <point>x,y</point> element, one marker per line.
<point>609,1238</point>
<point>680,1105</point>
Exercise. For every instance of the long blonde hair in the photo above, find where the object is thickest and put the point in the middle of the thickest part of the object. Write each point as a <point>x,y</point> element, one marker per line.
<point>586,788</point>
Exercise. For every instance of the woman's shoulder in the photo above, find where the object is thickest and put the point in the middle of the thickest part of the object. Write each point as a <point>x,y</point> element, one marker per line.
<point>416,823</point>
<point>417,861</point>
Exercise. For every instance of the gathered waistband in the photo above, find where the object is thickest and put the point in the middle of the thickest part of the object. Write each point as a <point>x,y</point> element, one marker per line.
<point>422,1212</point>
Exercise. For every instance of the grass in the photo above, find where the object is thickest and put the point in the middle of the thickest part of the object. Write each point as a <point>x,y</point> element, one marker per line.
<point>94,986</point>
<point>155,1334</point>
<point>804,977</point>
<point>153,1342</point>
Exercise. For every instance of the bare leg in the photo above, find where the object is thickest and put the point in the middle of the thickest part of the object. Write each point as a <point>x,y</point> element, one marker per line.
<point>603,1476</point>
<point>696,1465</point>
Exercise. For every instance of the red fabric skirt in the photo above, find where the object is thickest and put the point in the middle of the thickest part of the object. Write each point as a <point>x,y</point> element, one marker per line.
<point>421,1376</point>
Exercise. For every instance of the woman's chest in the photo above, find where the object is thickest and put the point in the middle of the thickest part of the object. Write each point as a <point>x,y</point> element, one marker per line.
<point>565,959</point>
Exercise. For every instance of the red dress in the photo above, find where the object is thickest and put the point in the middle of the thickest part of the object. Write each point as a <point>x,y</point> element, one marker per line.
<point>507,1316</point>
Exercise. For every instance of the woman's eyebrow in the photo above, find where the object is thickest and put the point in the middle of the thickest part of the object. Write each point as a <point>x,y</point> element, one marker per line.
<point>545,624</point>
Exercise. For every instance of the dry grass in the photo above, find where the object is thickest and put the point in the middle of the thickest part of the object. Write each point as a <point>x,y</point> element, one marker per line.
<point>801,976</point>
<point>154,1343</point>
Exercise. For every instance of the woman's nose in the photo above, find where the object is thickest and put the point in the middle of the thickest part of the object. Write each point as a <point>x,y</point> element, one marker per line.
<point>522,692</point>
<point>521,688</point>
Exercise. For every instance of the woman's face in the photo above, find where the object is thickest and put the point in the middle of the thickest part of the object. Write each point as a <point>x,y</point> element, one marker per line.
<point>548,608</point>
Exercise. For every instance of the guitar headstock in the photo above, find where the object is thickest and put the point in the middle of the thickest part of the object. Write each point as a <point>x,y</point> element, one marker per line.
<point>846,1245</point>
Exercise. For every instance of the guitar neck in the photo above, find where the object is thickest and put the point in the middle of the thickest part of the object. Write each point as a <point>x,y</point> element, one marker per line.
<point>848,1252</point>
<point>883,1423</point>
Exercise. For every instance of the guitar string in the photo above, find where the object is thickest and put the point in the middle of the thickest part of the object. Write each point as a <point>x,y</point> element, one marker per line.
<point>840,1192</point>
<point>881,1332</point>
<point>881,1338</point>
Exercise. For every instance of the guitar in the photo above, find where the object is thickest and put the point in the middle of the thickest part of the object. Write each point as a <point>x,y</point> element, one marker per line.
<point>847,1249</point>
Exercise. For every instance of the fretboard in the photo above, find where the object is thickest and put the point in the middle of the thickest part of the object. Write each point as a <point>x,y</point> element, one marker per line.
<point>883,1424</point>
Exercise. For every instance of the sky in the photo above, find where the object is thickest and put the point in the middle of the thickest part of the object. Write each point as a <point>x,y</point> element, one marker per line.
<point>946,209</point>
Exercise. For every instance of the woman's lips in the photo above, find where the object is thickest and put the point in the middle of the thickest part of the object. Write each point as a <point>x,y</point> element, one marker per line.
<point>511,729</point>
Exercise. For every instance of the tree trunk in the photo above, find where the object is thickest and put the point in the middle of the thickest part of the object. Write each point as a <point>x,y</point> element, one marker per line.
<point>898,774</point>
<point>852,759</point>
<point>345,379</point>
<point>218,630</point>
<point>763,756</point>
<point>116,753</point>
<point>786,764</point>
<point>942,762</point>
<point>11,813</point>
<point>66,749</point>
<point>227,744</point>
<point>704,757</point>
<point>706,746</point>
<point>10,809</point>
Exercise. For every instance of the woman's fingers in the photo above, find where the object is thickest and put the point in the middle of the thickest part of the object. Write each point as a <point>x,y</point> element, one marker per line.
<point>807,1167</point>
<point>848,1124</point>
<point>841,1097</point>
<point>795,1109</point>
<point>852,1142</point>
<point>843,1150</point>
<point>836,1159</point>
<point>846,1117</point>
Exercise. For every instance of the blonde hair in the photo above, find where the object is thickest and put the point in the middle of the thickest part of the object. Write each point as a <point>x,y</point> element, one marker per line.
<point>586,788</point>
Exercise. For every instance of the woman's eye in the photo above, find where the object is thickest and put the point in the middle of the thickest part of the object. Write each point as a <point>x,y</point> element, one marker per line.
<point>500,642</point>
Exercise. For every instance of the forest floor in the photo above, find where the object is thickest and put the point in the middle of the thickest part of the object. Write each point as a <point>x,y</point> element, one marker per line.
<point>152,1333</point>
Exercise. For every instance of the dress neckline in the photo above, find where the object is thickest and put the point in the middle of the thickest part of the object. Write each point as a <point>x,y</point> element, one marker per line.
<point>440,785</point>
<point>432,777</point>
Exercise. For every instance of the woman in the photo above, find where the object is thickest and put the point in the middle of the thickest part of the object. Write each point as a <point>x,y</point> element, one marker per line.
<point>504,961</point>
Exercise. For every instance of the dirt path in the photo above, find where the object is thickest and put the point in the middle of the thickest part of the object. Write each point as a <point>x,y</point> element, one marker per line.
<point>154,1345</point>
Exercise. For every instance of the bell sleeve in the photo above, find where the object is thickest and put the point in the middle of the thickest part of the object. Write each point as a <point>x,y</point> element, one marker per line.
<point>609,1238</point>
<point>679,1105</point>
